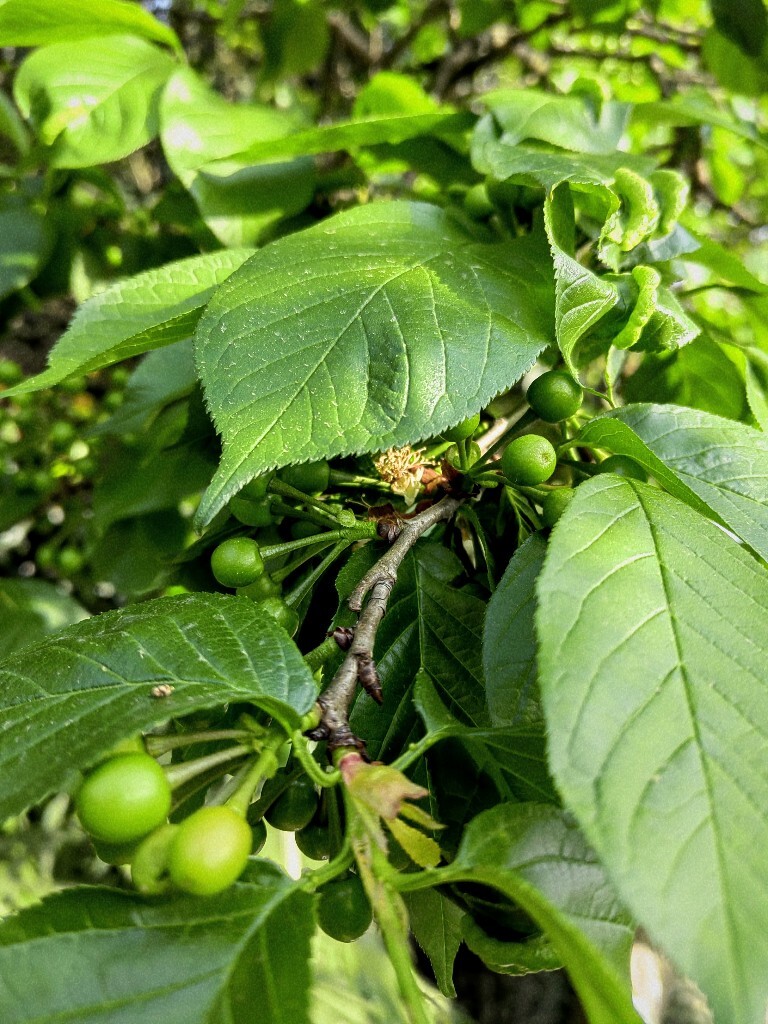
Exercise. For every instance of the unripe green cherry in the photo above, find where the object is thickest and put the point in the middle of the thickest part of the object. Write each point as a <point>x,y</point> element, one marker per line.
<point>261,588</point>
<point>283,615</point>
<point>453,458</point>
<point>256,489</point>
<point>124,798</point>
<point>309,477</point>
<point>149,867</point>
<point>259,833</point>
<point>555,396</point>
<point>314,841</point>
<point>622,465</point>
<point>209,851</point>
<point>463,430</point>
<point>528,460</point>
<point>555,503</point>
<point>295,807</point>
<point>251,513</point>
<point>343,909</point>
<point>237,562</point>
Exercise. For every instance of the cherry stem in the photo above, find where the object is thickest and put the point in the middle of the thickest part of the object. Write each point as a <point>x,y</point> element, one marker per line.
<point>178,774</point>
<point>157,745</point>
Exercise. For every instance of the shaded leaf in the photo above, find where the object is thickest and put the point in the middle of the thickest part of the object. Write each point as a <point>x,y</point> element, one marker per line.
<point>652,628</point>
<point>378,327</point>
<point>536,856</point>
<point>436,923</point>
<point>99,955</point>
<point>91,684</point>
<point>239,198</point>
<point>25,243</point>
<point>509,641</point>
<point>31,609</point>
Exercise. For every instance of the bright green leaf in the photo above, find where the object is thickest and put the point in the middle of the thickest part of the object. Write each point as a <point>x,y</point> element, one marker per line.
<point>37,22</point>
<point>99,955</point>
<point>95,100</point>
<point>652,627</point>
<point>91,684</point>
<point>378,327</point>
<point>202,133</point>
<point>144,312</point>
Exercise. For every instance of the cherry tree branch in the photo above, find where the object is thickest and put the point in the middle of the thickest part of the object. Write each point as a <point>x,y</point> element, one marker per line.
<point>358,665</point>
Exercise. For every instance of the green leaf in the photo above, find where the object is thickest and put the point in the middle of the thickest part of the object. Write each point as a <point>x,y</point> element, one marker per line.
<point>624,310</point>
<point>521,849</point>
<point>429,625</point>
<point>353,135</point>
<point>31,609</point>
<point>700,376</point>
<point>91,684</point>
<point>568,122</point>
<point>744,23</point>
<point>436,923</point>
<point>95,100</point>
<point>202,134</point>
<point>99,955</point>
<point>378,327</point>
<point>163,377</point>
<point>504,957</point>
<point>36,22</point>
<point>144,312</point>
<point>757,392</point>
<point>25,242</point>
<point>513,756</point>
<point>509,642</point>
<point>652,627</point>
<point>711,463</point>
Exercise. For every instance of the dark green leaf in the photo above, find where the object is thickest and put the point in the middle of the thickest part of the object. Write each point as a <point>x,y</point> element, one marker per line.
<point>91,684</point>
<point>378,327</point>
<point>24,244</point>
<point>521,850</point>
<point>436,925</point>
<point>509,641</point>
<point>30,610</point>
<point>744,23</point>
<point>429,625</point>
<point>144,312</point>
<point>98,956</point>
<point>652,627</point>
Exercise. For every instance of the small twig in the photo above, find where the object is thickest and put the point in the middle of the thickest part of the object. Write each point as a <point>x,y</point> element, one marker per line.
<point>354,40</point>
<point>358,665</point>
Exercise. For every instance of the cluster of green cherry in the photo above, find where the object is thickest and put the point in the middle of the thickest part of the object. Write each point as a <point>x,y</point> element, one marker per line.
<point>124,804</point>
<point>530,459</point>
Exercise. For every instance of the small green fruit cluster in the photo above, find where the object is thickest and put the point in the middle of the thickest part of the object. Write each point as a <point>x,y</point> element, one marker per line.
<point>124,803</point>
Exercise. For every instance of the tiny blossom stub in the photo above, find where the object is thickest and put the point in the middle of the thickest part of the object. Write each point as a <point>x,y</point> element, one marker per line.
<point>402,469</point>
